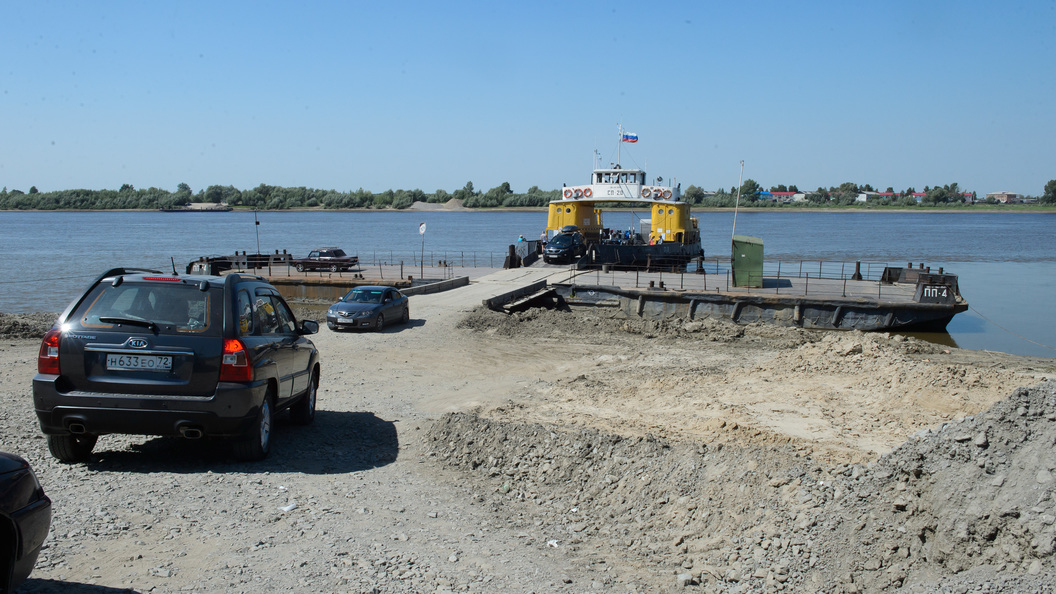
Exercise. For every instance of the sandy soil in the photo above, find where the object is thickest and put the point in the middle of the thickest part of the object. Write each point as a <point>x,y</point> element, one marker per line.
<point>381,501</point>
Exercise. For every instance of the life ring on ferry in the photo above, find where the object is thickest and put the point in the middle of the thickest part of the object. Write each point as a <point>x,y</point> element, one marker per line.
<point>587,193</point>
<point>646,192</point>
<point>568,192</point>
<point>667,194</point>
<point>577,192</point>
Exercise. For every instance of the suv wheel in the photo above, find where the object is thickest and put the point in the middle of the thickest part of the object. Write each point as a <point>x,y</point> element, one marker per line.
<point>71,448</point>
<point>300,267</point>
<point>333,268</point>
<point>256,444</point>
<point>303,412</point>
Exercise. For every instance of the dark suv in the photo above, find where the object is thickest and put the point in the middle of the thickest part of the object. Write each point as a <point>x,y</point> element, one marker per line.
<point>564,247</point>
<point>147,353</point>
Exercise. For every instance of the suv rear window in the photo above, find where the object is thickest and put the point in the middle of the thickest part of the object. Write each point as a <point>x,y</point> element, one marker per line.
<point>173,307</point>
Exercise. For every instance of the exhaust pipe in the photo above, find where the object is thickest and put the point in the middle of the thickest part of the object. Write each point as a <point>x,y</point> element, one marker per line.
<point>77,429</point>
<point>191,432</point>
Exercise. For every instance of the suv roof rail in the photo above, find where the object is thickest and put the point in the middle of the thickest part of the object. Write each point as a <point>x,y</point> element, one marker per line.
<point>237,277</point>
<point>122,270</point>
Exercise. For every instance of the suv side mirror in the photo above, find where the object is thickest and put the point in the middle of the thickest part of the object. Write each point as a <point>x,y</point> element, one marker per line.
<point>308,327</point>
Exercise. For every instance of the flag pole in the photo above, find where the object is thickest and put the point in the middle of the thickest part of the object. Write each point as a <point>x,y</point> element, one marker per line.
<point>736,204</point>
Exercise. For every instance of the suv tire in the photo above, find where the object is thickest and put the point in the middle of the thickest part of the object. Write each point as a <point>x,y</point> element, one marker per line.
<point>257,443</point>
<point>71,448</point>
<point>303,412</point>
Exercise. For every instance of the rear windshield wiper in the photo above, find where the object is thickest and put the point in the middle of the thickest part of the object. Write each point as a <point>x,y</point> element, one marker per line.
<point>131,322</point>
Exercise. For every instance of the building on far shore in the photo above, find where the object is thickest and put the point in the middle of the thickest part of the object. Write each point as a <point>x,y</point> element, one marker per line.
<point>1005,197</point>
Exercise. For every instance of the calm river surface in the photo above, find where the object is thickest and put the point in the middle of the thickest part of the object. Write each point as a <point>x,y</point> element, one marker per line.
<point>1006,261</point>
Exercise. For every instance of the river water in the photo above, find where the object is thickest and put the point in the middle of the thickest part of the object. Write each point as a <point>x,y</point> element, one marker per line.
<point>1006,262</point>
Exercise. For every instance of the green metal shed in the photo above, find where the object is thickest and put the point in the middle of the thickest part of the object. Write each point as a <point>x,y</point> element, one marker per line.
<point>746,261</point>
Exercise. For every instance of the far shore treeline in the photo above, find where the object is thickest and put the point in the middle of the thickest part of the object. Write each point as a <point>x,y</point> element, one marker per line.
<point>265,197</point>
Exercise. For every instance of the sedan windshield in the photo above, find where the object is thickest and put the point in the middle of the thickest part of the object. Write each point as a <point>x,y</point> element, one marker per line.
<point>364,296</point>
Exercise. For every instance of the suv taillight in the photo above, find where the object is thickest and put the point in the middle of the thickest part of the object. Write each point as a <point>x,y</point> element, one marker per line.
<point>235,365</point>
<point>48,359</point>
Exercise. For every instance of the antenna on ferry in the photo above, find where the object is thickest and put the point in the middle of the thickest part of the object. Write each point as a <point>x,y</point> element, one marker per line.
<point>740,181</point>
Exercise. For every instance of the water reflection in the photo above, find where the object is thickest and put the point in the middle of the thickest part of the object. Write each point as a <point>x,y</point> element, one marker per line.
<point>940,338</point>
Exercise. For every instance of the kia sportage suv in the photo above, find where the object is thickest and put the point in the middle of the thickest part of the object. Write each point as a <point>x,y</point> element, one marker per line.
<point>149,353</point>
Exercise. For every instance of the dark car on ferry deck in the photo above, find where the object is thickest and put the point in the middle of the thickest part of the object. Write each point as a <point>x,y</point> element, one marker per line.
<point>566,246</point>
<point>368,307</point>
<point>197,356</point>
<point>25,517</point>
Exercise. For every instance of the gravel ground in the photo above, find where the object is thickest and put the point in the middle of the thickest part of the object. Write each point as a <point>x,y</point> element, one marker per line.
<point>566,452</point>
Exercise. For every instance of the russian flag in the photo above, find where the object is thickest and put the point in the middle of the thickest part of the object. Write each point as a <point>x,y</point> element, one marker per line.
<point>628,137</point>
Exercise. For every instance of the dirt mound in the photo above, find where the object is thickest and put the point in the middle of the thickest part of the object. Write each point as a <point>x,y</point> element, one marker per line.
<point>979,493</point>
<point>26,325</point>
<point>594,325</point>
<point>846,397</point>
<point>971,504</point>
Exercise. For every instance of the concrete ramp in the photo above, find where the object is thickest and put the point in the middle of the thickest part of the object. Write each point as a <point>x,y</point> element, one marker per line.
<point>497,288</point>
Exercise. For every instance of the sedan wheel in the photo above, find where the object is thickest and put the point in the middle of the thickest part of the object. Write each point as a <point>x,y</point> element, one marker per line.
<point>333,268</point>
<point>406,315</point>
<point>380,324</point>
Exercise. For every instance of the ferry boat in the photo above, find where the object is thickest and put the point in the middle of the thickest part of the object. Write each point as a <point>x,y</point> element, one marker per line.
<point>668,240</point>
<point>896,298</point>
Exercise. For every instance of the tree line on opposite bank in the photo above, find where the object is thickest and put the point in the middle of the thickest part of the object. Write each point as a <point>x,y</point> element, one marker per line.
<point>266,197</point>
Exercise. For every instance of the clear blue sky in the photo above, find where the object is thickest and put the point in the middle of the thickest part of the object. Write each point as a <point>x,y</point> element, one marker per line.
<point>430,95</point>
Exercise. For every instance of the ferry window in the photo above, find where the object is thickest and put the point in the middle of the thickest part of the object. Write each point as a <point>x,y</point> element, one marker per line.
<point>623,178</point>
<point>670,211</point>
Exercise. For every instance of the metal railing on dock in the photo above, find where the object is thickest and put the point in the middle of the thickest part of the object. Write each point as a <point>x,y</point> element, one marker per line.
<point>822,279</point>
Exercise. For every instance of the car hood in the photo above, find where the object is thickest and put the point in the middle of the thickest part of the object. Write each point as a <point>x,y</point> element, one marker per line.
<point>352,306</point>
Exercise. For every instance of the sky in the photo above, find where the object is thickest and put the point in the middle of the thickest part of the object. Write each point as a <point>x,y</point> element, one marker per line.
<point>432,95</point>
